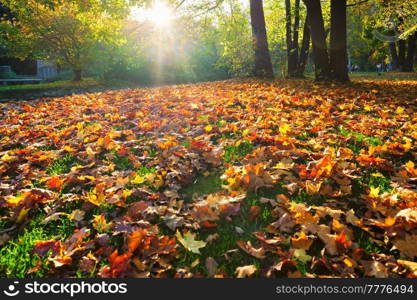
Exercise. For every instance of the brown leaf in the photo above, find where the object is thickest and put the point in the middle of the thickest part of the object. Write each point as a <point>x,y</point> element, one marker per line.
<point>375,269</point>
<point>254,212</point>
<point>211,266</point>
<point>249,249</point>
<point>173,221</point>
<point>301,241</point>
<point>245,271</point>
<point>408,246</point>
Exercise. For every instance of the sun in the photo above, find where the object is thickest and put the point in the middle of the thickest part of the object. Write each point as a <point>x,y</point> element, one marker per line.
<point>160,14</point>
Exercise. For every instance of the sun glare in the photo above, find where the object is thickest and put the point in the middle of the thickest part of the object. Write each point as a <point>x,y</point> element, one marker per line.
<point>160,14</point>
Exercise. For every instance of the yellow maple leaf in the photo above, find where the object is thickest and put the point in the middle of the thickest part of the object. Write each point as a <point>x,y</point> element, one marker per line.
<point>367,108</point>
<point>283,129</point>
<point>189,242</point>
<point>301,255</point>
<point>246,132</point>
<point>127,193</point>
<point>100,223</point>
<point>377,175</point>
<point>96,196</point>
<point>374,192</point>
<point>138,179</point>
<point>6,157</point>
<point>410,165</point>
<point>400,110</point>
<point>69,149</point>
<point>15,200</point>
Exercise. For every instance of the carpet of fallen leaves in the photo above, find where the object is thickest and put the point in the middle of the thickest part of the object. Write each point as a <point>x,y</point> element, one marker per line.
<point>322,179</point>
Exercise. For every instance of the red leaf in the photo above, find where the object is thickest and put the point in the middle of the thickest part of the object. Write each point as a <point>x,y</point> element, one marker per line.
<point>42,247</point>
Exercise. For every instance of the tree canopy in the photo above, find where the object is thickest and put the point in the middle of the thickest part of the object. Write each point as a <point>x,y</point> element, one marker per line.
<point>213,38</point>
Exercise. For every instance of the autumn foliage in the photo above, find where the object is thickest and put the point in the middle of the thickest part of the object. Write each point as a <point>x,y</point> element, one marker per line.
<point>338,165</point>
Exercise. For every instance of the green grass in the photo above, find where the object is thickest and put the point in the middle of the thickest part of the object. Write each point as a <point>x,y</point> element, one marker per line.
<point>302,267</point>
<point>203,185</point>
<point>383,183</point>
<point>365,242</point>
<point>63,84</point>
<point>152,152</point>
<point>61,165</point>
<point>228,236</point>
<point>46,148</point>
<point>224,136</point>
<point>4,224</point>
<point>362,184</point>
<point>358,140</point>
<point>16,257</point>
<point>306,135</point>
<point>361,138</point>
<point>303,197</point>
<point>144,170</point>
<point>122,163</point>
<point>384,76</point>
<point>235,153</point>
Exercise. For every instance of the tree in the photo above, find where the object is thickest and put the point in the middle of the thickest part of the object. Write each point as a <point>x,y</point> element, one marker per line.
<point>296,57</point>
<point>318,36</point>
<point>329,63</point>
<point>338,41</point>
<point>305,49</point>
<point>263,64</point>
<point>67,32</point>
<point>400,18</point>
<point>411,53</point>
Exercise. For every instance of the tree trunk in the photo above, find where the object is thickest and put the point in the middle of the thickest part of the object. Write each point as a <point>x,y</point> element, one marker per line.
<point>401,54</point>
<point>318,36</point>
<point>411,52</point>
<point>305,49</point>
<point>296,29</point>
<point>263,65</point>
<point>77,74</point>
<point>394,56</point>
<point>338,41</point>
<point>291,58</point>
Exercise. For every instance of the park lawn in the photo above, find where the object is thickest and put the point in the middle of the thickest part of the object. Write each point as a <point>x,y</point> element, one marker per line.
<point>238,178</point>
<point>60,84</point>
<point>62,88</point>
<point>58,88</point>
<point>396,76</point>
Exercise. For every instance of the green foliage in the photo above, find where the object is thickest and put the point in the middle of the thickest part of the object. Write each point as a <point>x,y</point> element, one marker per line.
<point>234,153</point>
<point>203,185</point>
<point>69,33</point>
<point>365,242</point>
<point>122,162</point>
<point>228,232</point>
<point>61,165</point>
<point>235,37</point>
<point>303,197</point>
<point>360,139</point>
<point>17,258</point>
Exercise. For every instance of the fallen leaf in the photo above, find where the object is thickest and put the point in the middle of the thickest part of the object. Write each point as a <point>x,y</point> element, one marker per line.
<point>211,266</point>
<point>245,271</point>
<point>189,242</point>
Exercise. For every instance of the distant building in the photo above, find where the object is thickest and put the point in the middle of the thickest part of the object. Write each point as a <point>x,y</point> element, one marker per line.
<point>32,68</point>
<point>27,67</point>
<point>46,70</point>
